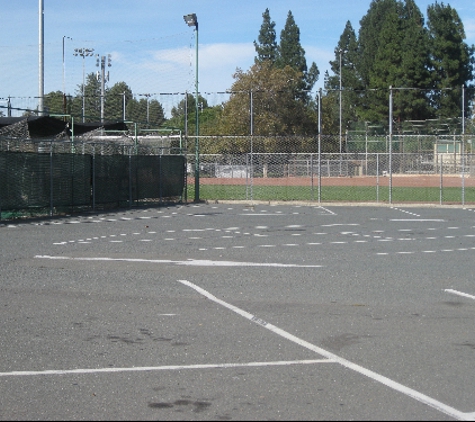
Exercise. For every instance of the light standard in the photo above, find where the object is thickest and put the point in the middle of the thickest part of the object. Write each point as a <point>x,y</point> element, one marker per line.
<point>101,62</point>
<point>41,57</point>
<point>192,20</point>
<point>83,52</point>
<point>64,83</point>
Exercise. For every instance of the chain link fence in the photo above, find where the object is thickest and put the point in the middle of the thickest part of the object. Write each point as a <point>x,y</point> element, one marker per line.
<point>57,176</point>
<point>432,170</point>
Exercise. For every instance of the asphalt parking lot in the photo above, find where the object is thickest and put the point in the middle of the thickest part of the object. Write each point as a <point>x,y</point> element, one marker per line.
<point>238,312</point>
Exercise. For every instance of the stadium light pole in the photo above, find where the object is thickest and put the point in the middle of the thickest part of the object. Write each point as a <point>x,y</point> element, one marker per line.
<point>83,52</point>
<point>192,20</point>
<point>101,62</point>
<point>41,59</point>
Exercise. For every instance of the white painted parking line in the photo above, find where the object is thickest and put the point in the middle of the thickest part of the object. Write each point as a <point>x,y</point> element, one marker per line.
<point>416,395</point>
<point>456,292</point>
<point>189,263</point>
<point>418,220</point>
<point>162,368</point>
<point>327,210</point>
<point>339,225</point>
<point>425,252</point>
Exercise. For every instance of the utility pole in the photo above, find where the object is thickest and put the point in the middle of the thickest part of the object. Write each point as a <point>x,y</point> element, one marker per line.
<point>41,64</point>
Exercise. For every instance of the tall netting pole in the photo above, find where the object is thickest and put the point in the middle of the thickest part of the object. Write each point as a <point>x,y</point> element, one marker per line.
<point>390,145</point>
<point>41,61</point>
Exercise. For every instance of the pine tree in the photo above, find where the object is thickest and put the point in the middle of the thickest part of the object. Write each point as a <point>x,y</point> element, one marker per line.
<point>350,81</point>
<point>92,99</point>
<point>291,53</point>
<point>368,38</point>
<point>452,60</point>
<point>114,103</point>
<point>267,48</point>
<point>147,113</point>
<point>415,64</point>
<point>396,54</point>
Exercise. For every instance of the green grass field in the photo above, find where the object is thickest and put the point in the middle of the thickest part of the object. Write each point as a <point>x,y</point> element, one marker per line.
<point>333,194</point>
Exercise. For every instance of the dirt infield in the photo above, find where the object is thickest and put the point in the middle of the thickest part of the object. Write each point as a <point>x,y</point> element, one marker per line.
<point>422,181</point>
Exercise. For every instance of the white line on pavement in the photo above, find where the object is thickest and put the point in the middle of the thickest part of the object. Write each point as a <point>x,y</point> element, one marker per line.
<point>416,395</point>
<point>189,263</point>
<point>456,292</point>
<point>161,368</point>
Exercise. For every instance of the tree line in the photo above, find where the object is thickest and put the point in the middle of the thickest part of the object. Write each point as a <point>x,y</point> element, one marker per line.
<point>427,62</point>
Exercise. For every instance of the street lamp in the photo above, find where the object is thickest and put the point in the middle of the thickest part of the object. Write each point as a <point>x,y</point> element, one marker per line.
<point>83,52</point>
<point>192,20</point>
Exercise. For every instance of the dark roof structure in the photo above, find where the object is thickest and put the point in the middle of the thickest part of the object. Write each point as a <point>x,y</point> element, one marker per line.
<point>47,127</point>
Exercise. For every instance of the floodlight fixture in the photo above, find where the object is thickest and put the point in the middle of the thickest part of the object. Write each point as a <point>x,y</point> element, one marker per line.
<point>83,52</point>
<point>191,20</point>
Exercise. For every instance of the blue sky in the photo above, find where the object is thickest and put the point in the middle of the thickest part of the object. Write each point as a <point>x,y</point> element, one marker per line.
<point>151,46</point>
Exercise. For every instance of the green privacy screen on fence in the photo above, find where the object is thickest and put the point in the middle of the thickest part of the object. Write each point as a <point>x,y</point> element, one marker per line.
<point>31,181</point>
<point>121,179</point>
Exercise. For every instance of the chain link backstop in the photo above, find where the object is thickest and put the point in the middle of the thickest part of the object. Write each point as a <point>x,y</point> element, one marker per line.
<point>423,169</point>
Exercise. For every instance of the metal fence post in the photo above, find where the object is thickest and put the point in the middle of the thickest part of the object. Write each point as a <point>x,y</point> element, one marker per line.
<point>390,145</point>
<point>93,177</point>
<point>160,177</point>
<point>311,175</point>
<point>377,177</point>
<point>441,181</point>
<point>1,196</point>
<point>130,180</point>
<point>252,171</point>
<point>320,145</point>
<point>463,175</point>
<point>247,176</point>
<point>51,203</point>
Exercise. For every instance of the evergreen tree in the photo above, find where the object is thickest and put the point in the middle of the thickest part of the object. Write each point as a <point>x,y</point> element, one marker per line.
<point>291,53</point>
<point>114,104</point>
<point>387,67</point>
<point>186,110</point>
<point>54,103</point>
<point>395,53</point>
<point>413,104</point>
<point>350,80</point>
<point>147,113</point>
<point>452,60</point>
<point>368,39</point>
<point>92,100</point>
<point>266,47</point>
